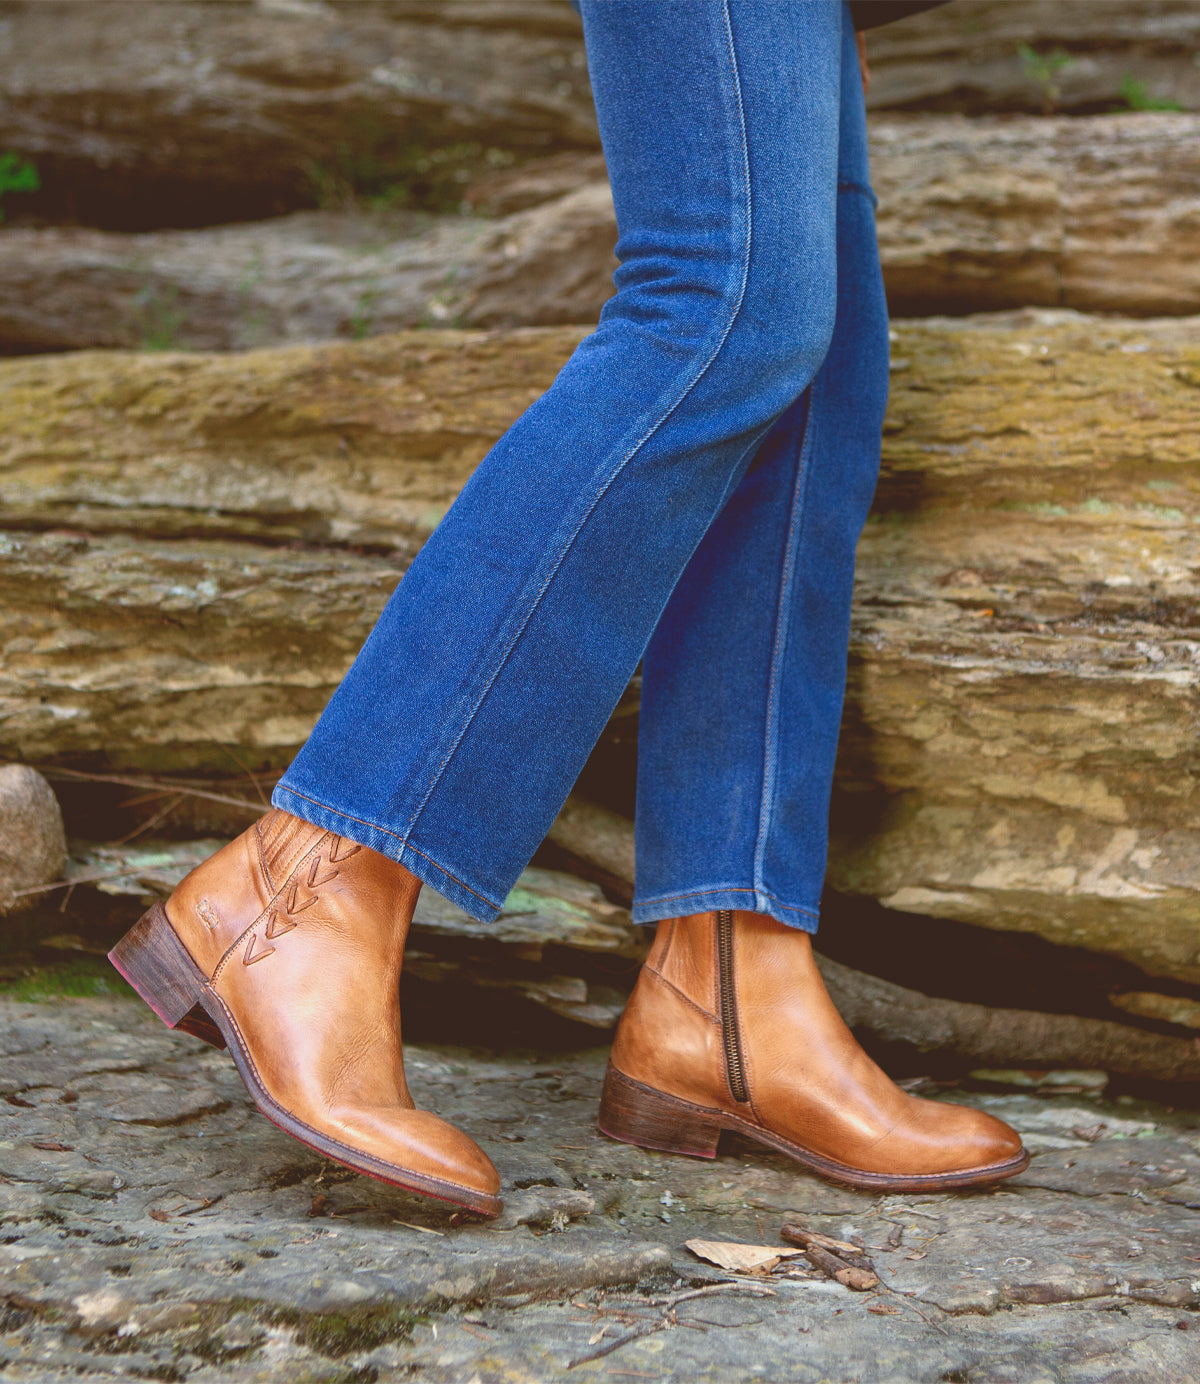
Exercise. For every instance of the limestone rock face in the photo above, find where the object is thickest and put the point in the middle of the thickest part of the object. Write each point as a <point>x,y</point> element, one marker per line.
<point>188,114</point>
<point>196,546</point>
<point>33,848</point>
<point>1099,213</point>
<point>1025,671</point>
<point>184,114</point>
<point>1037,56</point>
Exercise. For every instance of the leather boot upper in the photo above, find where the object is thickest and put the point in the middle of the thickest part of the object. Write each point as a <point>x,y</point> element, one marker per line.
<point>806,1077</point>
<point>301,934</point>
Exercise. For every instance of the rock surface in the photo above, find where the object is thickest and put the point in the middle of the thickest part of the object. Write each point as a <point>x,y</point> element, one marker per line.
<point>155,1226</point>
<point>1098,214</point>
<point>1020,719</point>
<point>174,115</point>
<point>147,116</point>
<point>559,943</point>
<point>33,847</point>
<point>1008,55</point>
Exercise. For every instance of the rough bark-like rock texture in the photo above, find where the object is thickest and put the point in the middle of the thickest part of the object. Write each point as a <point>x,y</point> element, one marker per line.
<point>362,444</point>
<point>33,847</point>
<point>1019,738</point>
<point>155,1227</point>
<point>1099,213</point>
<point>185,114</point>
<point>554,928</point>
<point>191,114</point>
<point>1007,55</point>
<point>1019,744</point>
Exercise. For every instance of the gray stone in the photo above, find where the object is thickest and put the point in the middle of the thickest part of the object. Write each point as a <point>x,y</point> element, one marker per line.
<point>223,1251</point>
<point>986,577</point>
<point>33,847</point>
<point>975,214</point>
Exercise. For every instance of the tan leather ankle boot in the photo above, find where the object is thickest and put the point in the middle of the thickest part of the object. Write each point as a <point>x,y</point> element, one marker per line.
<point>286,945</point>
<point>730,1027</point>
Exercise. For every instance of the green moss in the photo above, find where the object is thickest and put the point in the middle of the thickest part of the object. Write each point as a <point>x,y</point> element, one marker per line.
<point>81,977</point>
<point>1135,96</point>
<point>335,1334</point>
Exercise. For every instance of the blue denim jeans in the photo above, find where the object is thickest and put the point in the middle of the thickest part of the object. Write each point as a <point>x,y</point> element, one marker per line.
<point>689,491</point>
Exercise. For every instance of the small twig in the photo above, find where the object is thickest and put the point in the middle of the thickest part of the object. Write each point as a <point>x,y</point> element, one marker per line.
<point>818,1250</point>
<point>646,1329</point>
<point>71,883</point>
<point>246,769</point>
<point>424,1229</point>
<point>755,1289</point>
<point>854,1276</point>
<point>727,1326</point>
<point>937,1326</point>
<point>797,1235</point>
<point>151,822</point>
<point>155,785</point>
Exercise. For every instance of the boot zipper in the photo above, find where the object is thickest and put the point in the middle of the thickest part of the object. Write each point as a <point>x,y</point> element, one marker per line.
<point>734,1067</point>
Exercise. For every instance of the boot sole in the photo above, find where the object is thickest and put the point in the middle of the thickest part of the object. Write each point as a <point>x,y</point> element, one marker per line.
<point>160,968</point>
<point>637,1114</point>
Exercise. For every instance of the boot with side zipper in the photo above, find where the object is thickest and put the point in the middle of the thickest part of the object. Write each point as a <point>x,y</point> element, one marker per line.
<point>730,1027</point>
<point>286,946</point>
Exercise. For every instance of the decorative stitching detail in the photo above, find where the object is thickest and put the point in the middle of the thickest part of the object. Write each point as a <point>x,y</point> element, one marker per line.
<point>395,835</point>
<point>250,956</point>
<point>334,857</point>
<point>275,928</point>
<point>270,908</point>
<point>704,1014</point>
<point>262,856</point>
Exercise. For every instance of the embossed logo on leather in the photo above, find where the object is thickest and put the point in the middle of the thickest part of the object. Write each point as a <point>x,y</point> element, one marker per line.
<point>208,914</point>
<point>320,872</point>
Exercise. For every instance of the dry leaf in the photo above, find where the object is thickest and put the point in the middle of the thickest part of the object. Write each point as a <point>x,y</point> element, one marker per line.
<point>727,1254</point>
<point>157,1215</point>
<point>883,1309</point>
<point>917,1254</point>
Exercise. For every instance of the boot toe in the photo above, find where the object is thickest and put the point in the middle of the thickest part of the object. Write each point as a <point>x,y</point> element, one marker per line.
<point>995,1141</point>
<point>963,1139</point>
<point>417,1142</point>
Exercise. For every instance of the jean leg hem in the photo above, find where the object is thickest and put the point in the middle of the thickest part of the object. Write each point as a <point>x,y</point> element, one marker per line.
<point>388,843</point>
<point>747,899</point>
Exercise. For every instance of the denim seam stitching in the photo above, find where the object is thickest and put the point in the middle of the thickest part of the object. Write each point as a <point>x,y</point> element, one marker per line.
<point>404,841</point>
<point>697,377</point>
<point>727,889</point>
<point>770,745</point>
